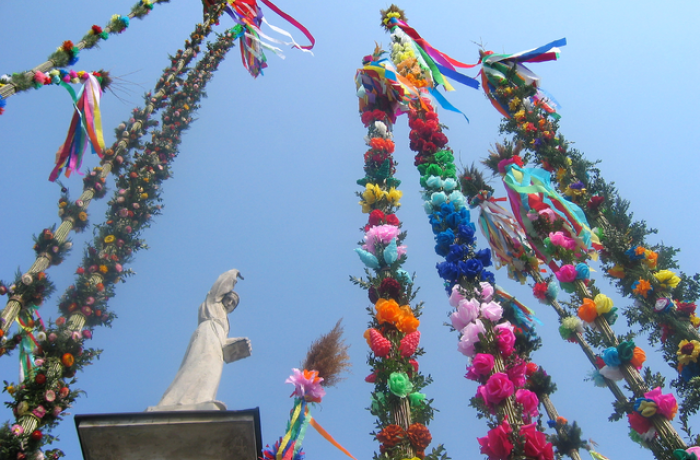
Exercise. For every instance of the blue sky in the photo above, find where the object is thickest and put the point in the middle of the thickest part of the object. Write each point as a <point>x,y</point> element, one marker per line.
<point>265,183</point>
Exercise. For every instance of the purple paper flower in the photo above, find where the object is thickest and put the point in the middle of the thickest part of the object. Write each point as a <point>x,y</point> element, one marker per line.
<point>307,385</point>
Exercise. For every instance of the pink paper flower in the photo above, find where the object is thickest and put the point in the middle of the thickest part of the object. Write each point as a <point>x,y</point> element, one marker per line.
<point>529,401</point>
<point>505,338</point>
<point>566,274</point>
<point>516,373</point>
<point>666,404</point>
<point>470,337</point>
<point>486,291</point>
<point>559,239</point>
<point>39,412</point>
<point>536,445</point>
<point>496,444</point>
<point>456,296</point>
<point>50,396</point>
<point>17,429</point>
<point>379,234</point>
<point>491,311</point>
<point>482,365</point>
<point>497,388</point>
<point>307,385</point>
<point>467,311</point>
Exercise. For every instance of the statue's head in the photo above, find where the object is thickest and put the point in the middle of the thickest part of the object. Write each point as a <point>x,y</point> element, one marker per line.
<point>230,301</point>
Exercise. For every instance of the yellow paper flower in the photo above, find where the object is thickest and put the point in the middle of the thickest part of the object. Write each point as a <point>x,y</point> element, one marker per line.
<point>109,239</point>
<point>144,196</point>
<point>647,408</point>
<point>667,278</point>
<point>603,304</point>
<point>373,193</point>
<point>515,103</point>
<point>694,320</point>
<point>394,196</point>
<point>688,351</point>
<point>519,115</point>
<point>618,271</point>
<point>82,216</point>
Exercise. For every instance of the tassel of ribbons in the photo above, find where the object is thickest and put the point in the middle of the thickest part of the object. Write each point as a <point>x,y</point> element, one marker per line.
<point>86,126</point>
<point>289,446</point>
<point>249,18</point>
<point>497,68</point>
<point>524,316</point>
<point>378,78</point>
<point>27,345</point>
<point>505,236</point>
<point>439,64</point>
<point>530,193</point>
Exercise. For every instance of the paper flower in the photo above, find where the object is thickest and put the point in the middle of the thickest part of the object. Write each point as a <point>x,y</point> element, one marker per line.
<point>666,402</point>
<point>667,279</point>
<point>588,311</point>
<point>307,385</point>
<point>482,365</point>
<point>603,304</point>
<point>380,345</point>
<point>688,351</point>
<point>409,344</point>
<point>470,337</point>
<point>641,287</point>
<point>505,338</point>
<point>391,435</point>
<point>497,388</point>
<point>566,274</point>
<point>367,258</point>
<point>496,444</point>
<point>467,311</point>
<point>536,445</point>
<point>419,436</point>
<point>399,384</point>
<point>491,311</point>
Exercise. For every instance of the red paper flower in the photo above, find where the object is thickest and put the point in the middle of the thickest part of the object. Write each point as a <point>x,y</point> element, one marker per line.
<point>536,445</point>
<point>496,444</point>
<point>380,345</point>
<point>390,288</point>
<point>419,436</point>
<point>391,435</point>
<point>409,344</point>
<point>540,290</point>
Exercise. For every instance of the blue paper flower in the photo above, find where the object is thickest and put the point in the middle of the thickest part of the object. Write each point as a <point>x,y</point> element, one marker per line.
<point>583,272</point>
<point>484,256</point>
<point>465,233</point>
<point>611,357</point>
<point>367,258</point>
<point>473,268</point>
<point>457,252</point>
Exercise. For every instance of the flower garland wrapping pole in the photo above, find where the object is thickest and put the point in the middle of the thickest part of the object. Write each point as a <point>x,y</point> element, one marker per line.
<point>67,54</point>
<point>74,214</point>
<point>557,227</point>
<point>85,303</point>
<point>326,359</point>
<point>402,411</point>
<point>664,302</point>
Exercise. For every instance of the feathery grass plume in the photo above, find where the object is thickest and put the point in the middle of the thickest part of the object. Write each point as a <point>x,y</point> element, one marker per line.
<point>473,181</point>
<point>392,9</point>
<point>328,356</point>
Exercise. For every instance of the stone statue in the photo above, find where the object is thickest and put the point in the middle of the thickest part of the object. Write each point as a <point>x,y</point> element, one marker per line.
<point>197,381</point>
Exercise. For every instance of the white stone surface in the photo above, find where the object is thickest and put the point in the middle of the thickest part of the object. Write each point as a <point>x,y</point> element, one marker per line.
<point>197,380</point>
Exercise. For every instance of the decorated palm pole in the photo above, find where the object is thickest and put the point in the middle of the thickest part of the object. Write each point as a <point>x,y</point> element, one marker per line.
<point>558,232</point>
<point>67,54</point>
<point>59,351</point>
<point>402,412</point>
<point>664,298</point>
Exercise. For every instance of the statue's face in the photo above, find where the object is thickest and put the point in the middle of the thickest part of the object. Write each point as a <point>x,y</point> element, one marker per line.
<point>230,301</point>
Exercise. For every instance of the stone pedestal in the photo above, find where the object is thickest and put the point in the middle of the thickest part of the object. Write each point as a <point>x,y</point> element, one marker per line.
<point>179,435</point>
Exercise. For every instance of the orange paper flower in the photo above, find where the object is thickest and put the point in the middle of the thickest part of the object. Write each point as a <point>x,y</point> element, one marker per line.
<point>638,357</point>
<point>588,311</point>
<point>642,288</point>
<point>68,360</point>
<point>407,324</point>
<point>388,311</point>
<point>618,271</point>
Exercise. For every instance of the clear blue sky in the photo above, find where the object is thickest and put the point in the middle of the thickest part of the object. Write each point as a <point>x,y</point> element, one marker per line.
<point>265,183</point>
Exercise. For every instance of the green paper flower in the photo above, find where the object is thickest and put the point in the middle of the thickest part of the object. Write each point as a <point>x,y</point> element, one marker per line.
<point>400,384</point>
<point>378,400</point>
<point>625,351</point>
<point>416,398</point>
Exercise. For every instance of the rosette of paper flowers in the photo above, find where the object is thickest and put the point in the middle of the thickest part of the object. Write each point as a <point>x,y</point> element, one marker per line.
<point>653,403</point>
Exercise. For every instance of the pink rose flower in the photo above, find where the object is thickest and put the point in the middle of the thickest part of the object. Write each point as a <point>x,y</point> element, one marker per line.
<point>456,296</point>
<point>536,445</point>
<point>505,338</point>
<point>486,291</point>
<point>497,388</point>
<point>529,401</point>
<point>559,239</point>
<point>566,274</point>
<point>470,337</point>
<point>467,311</point>
<point>379,234</point>
<point>482,365</point>
<point>516,374</point>
<point>666,404</point>
<point>496,444</point>
<point>491,311</point>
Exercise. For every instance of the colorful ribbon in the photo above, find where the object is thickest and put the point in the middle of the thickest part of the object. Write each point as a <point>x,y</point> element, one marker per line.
<point>249,17</point>
<point>328,437</point>
<point>530,189</point>
<point>496,69</point>
<point>86,126</point>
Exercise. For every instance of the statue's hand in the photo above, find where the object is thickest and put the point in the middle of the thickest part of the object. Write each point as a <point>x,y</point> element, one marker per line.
<point>237,348</point>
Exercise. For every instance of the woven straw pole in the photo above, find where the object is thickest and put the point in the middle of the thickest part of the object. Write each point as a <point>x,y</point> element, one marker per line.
<point>9,89</point>
<point>553,415</point>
